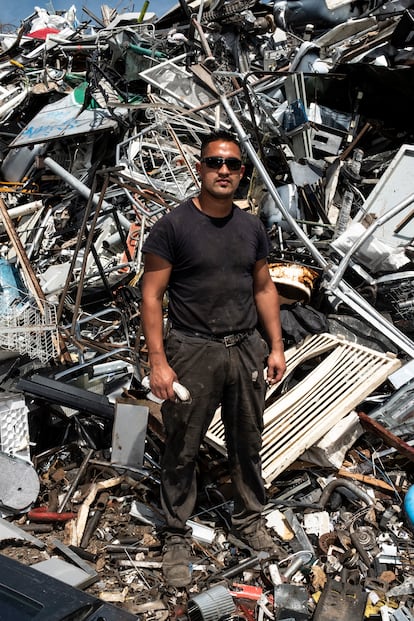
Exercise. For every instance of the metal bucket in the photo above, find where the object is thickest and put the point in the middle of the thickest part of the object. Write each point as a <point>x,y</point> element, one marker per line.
<point>293,281</point>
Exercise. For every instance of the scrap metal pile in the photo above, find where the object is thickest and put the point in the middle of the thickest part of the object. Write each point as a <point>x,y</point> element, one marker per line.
<point>100,126</point>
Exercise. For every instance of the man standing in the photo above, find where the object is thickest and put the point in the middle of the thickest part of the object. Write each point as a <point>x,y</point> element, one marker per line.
<point>211,256</point>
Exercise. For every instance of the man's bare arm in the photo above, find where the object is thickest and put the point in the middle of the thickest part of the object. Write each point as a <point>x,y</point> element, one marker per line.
<point>267,304</point>
<point>155,280</point>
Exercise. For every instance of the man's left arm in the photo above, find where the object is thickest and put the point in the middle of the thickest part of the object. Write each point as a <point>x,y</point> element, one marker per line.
<point>267,303</point>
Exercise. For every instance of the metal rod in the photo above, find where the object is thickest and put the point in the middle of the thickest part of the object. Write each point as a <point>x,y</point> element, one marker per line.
<point>88,246</point>
<point>33,283</point>
<point>340,270</point>
<point>245,141</point>
<point>73,182</point>
<point>76,480</point>
<point>344,291</point>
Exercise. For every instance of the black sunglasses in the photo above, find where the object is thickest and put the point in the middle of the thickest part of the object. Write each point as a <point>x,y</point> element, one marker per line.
<point>232,163</point>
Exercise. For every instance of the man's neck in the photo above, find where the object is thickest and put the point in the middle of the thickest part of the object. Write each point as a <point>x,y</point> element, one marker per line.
<point>214,207</point>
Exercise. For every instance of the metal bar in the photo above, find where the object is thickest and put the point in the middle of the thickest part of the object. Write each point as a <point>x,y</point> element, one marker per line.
<point>88,245</point>
<point>245,141</point>
<point>75,558</point>
<point>389,438</point>
<point>203,40</point>
<point>340,270</point>
<point>90,363</point>
<point>344,291</point>
<point>72,181</point>
<point>24,261</point>
<point>79,242</point>
<point>76,480</point>
<point>58,392</point>
<point>357,303</point>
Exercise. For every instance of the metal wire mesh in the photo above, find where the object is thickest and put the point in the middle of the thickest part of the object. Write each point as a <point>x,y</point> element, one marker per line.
<point>153,160</point>
<point>395,295</point>
<point>25,329</point>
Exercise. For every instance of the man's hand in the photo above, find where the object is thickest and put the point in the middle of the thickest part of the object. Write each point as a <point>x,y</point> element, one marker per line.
<point>276,366</point>
<point>162,377</point>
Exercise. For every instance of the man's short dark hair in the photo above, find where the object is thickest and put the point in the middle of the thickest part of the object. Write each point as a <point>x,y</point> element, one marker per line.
<point>218,135</point>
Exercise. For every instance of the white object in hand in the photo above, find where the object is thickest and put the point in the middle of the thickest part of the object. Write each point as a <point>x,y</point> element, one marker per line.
<point>182,393</point>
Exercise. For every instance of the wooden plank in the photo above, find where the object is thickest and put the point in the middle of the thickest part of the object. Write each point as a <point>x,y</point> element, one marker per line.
<point>364,478</point>
<point>389,438</point>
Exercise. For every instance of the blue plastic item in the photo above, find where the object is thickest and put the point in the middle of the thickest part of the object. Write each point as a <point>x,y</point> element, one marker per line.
<point>409,506</point>
<point>11,286</point>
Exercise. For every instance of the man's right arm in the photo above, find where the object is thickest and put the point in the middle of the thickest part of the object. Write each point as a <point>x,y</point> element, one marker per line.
<point>155,280</point>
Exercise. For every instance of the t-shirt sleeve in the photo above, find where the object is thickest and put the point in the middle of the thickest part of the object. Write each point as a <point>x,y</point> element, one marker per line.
<point>160,241</point>
<point>263,245</point>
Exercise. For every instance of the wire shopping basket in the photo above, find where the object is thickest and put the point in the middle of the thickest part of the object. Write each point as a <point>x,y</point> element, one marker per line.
<point>28,327</point>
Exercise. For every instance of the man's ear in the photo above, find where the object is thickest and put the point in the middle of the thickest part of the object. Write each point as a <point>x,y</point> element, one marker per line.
<point>198,167</point>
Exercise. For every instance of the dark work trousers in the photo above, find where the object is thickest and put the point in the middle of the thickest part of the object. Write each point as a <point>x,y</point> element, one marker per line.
<point>215,375</point>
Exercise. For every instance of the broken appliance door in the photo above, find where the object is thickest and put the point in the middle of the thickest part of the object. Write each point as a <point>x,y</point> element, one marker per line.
<point>394,186</point>
<point>64,118</point>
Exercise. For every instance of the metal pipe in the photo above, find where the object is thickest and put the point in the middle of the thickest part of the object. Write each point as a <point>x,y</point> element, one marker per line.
<point>143,11</point>
<point>203,40</point>
<point>76,370</point>
<point>73,182</point>
<point>300,559</point>
<point>357,303</point>
<point>344,291</point>
<point>25,210</point>
<point>76,480</point>
<point>245,141</point>
<point>90,528</point>
<point>81,48</point>
<point>102,501</point>
<point>235,570</point>
<point>94,520</point>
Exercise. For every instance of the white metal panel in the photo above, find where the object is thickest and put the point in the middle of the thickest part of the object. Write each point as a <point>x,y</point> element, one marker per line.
<point>298,419</point>
<point>395,185</point>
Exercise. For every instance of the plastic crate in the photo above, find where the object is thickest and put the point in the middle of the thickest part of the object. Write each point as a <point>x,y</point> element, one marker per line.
<point>14,427</point>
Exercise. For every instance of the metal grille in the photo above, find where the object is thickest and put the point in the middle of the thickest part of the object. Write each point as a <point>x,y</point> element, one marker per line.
<point>396,294</point>
<point>27,330</point>
<point>304,414</point>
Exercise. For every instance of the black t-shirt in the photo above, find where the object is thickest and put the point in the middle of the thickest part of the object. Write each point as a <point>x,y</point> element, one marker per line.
<point>211,285</point>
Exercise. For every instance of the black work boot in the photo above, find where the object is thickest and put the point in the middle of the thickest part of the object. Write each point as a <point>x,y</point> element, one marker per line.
<point>257,539</point>
<point>176,561</point>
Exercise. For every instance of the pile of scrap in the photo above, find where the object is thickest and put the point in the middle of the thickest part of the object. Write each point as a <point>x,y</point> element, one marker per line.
<point>101,122</point>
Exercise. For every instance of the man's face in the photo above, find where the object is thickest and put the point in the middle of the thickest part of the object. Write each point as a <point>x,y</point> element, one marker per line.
<point>220,182</point>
